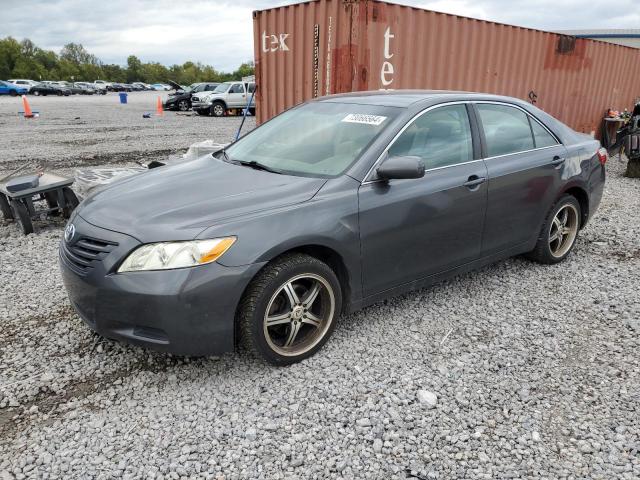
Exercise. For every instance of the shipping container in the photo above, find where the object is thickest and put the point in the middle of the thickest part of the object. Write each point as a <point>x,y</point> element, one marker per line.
<point>322,47</point>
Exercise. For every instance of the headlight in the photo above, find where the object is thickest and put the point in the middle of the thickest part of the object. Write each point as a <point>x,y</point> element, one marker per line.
<point>168,255</point>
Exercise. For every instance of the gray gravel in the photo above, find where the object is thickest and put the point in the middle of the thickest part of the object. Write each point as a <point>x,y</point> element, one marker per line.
<point>93,130</point>
<point>518,370</point>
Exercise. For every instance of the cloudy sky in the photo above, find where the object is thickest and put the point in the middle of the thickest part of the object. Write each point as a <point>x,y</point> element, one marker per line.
<point>219,32</point>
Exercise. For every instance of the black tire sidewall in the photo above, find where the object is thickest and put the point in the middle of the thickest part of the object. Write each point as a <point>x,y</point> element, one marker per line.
<point>213,109</point>
<point>22,217</point>
<point>5,208</point>
<point>254,316</point>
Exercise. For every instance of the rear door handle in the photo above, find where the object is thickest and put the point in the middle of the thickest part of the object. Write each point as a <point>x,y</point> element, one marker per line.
<point>473,181</point>
<point>557,160</point>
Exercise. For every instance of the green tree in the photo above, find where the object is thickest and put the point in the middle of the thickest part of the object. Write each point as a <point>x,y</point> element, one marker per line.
<point>134,69</point>
<point>9,54</point>
<point>76,53</point>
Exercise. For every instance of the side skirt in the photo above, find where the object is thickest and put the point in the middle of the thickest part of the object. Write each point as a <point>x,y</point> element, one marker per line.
<point>438,277</point>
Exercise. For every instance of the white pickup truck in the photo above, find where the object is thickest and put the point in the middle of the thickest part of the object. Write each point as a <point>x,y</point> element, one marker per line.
<point>226,96</point>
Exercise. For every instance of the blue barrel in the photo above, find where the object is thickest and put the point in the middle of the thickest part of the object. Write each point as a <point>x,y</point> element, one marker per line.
<point>123,97</point>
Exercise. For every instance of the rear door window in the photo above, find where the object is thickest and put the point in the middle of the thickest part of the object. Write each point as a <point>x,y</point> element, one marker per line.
<point>506,129</point>
<point>440,137</point>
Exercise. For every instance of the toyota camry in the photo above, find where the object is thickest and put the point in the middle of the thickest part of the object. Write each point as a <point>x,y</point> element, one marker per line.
<point>327,208</point>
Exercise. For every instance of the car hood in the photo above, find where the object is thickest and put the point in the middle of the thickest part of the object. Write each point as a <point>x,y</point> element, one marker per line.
<point>175,85</point>
<point>178,202</point>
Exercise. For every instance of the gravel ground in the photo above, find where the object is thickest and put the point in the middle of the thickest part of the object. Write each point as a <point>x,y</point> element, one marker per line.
<point>94,130</point>
<point>518,370</point>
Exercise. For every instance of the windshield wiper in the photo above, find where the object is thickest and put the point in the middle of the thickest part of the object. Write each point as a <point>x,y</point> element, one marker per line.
<point>256,165</point>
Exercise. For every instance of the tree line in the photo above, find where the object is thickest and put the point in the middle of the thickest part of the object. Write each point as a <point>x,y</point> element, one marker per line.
<point>74,63</point>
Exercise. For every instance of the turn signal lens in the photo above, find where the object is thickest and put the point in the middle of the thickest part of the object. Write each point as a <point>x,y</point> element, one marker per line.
<point>171,255</point>
<point>217,251</point>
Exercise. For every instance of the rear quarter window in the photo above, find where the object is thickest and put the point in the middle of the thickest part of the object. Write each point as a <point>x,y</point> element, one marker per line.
<point>541,136</point>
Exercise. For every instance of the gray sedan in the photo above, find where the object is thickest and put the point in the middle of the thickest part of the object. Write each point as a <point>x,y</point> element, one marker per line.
<point>327,208</point>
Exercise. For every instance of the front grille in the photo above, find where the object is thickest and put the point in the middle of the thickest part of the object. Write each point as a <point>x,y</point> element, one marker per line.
<point>83,253</point>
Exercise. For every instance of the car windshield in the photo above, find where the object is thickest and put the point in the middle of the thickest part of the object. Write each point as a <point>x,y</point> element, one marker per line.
<point>316,139</point>
<point>222,88</point>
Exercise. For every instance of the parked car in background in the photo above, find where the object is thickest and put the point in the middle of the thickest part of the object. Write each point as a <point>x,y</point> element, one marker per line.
<point>86,88</point>
<point>161,87</point>
<point>142,86</point>
<point>226,95</point>
<point>23,82</point>
<point>72,88</point>
<point>58,85</point>
<point>181,98</point>
<point>102,85</point>
<point>48,89</point>
<point>7,88</point>
<point>329,207</point>
<point>128,87</point>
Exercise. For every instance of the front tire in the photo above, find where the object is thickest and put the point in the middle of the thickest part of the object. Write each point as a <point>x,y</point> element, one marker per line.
<point>218,109</point>
<point>290,309</point>
<point>559,232</point>
<point>183,105</point>
<point>36,93</point>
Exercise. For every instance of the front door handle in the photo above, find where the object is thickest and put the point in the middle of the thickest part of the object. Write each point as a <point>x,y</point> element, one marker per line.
<point>473,181</point>
<point>557,160</point>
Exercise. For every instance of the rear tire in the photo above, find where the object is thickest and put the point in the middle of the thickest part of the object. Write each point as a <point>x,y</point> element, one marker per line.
<point>36,93</point>
<point>183,105</point>
<point>289,310</point>
<point>13,93</point>
<point>559,232</point>
<point>5,208</point>
<point>21,214</point>
<point>218,109</point>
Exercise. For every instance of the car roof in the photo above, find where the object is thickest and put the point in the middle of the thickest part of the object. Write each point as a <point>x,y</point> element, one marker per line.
<point>406,98</point>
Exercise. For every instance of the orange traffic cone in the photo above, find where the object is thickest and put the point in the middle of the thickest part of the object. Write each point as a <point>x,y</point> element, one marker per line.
<point>27,109</point>
<point>159,110</point>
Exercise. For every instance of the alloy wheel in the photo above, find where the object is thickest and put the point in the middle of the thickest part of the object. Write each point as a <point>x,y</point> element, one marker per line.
<point>299,314</point>
<point>563,231</point>
<point>183,106</point>
<point>218,110</point>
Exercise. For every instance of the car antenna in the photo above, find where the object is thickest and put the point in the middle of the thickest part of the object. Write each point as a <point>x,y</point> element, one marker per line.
<point>244,116</point>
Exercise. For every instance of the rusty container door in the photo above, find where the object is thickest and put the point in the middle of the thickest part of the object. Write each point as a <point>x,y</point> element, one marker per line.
<point>302,51</point>
<point>333,46</point>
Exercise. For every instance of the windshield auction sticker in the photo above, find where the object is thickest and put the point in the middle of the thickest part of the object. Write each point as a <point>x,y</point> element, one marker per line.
<point>366,119</point>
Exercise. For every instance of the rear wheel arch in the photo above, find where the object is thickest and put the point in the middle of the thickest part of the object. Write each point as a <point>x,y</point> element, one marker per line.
<point>582,196</point>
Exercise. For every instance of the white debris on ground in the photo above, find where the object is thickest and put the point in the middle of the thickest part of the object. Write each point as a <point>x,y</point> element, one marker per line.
<point>518,370</point>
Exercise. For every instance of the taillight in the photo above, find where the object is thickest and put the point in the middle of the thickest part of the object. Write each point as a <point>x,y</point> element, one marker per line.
<point>603,155</point>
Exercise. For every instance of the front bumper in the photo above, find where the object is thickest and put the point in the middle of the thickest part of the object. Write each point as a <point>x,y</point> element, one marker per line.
<point>200,105</point>
<point>187,311</point>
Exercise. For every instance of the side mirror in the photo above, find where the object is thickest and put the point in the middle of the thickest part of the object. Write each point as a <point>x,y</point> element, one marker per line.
<point>401,168</point>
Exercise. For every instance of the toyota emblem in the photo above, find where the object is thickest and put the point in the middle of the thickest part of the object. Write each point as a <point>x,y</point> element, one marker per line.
<point>69,232</point>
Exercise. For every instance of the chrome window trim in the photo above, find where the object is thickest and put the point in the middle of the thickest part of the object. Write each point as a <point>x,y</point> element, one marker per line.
<point>523,151</point>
